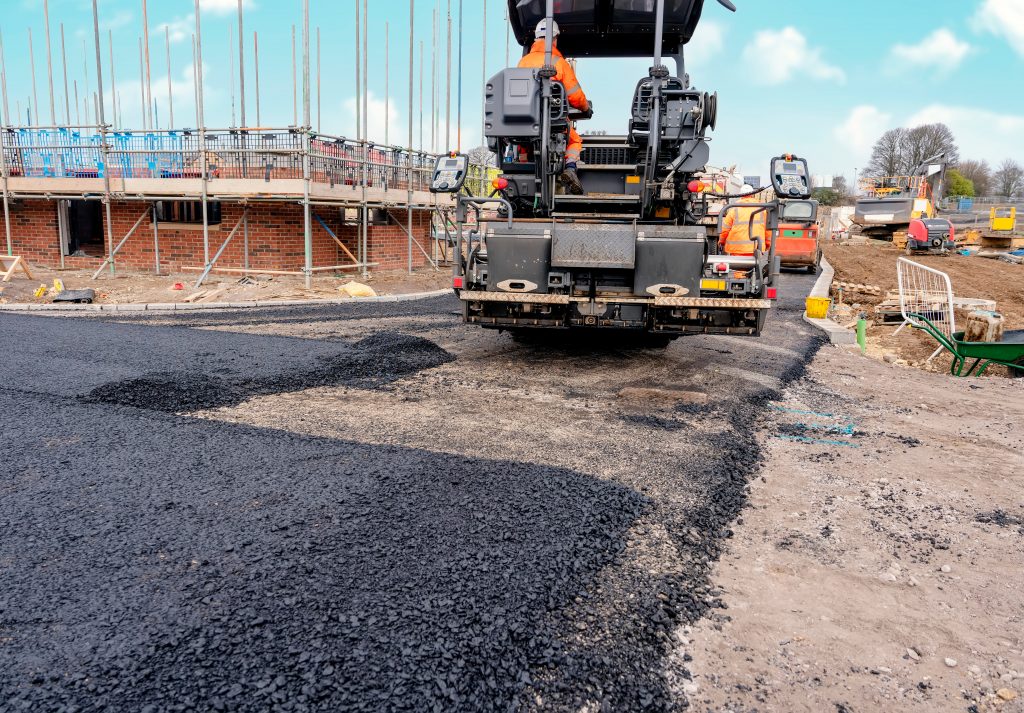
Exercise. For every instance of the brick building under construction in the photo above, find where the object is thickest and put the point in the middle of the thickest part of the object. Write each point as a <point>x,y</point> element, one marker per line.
<point>279,201</point>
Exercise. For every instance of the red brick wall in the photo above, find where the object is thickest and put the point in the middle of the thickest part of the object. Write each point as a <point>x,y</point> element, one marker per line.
<point>276,240</point>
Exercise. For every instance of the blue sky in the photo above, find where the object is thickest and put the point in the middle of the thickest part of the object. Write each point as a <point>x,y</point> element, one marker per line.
<point>818,77</point>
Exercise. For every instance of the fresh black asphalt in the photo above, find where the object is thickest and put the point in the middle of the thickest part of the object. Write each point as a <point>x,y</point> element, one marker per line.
<point>155,561</point>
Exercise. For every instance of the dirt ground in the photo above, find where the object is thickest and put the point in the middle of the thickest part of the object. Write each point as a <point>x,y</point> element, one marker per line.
<point>880,564</point>
<point>875,264</point>
<point>131,287</point>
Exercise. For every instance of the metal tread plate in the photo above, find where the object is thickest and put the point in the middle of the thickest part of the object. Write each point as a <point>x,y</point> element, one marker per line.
<point>594,246</point>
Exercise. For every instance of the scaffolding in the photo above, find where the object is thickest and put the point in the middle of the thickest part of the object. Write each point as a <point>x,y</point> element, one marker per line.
<point>101,160</point>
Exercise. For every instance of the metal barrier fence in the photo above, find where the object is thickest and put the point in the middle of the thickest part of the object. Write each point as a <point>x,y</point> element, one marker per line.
<point>266,154</point>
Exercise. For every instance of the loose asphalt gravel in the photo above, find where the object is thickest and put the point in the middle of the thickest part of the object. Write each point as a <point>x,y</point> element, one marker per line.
<point>365,507</point>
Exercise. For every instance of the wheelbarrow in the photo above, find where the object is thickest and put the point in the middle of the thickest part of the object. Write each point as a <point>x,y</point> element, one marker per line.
<point>1009,352</point>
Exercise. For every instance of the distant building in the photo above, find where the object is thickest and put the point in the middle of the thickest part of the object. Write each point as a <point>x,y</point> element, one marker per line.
<point>752,181</point>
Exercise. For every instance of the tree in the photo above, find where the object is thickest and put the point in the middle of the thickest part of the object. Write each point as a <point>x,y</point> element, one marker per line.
<point>899,152</point>
<point>1008,180</point>
<point>977,172</point>
<point>928,141</point>
<point>839,186</point>
<point>887,154</point>
<point>957,186</point>
<point>482,156</point>
<point>826,196</point>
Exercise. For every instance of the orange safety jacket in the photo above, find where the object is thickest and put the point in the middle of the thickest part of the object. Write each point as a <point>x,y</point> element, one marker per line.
<point>563,73</point>
<point>736,237</point>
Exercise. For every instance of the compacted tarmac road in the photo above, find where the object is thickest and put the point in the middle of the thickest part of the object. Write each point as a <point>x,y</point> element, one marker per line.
<point>365,507</point>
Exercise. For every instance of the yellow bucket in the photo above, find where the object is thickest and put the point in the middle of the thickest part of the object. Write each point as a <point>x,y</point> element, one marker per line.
<point>817,307</point>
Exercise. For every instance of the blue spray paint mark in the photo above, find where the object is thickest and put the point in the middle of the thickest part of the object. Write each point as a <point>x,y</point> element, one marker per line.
<point>817,441</point>
<point>804,413</point>
<point>846,430</point>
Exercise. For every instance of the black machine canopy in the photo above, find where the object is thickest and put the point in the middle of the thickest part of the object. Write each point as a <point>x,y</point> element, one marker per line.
<point>609,28</point>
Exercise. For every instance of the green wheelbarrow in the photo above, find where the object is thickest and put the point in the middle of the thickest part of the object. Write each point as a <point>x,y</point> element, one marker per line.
<point>1008,353</point>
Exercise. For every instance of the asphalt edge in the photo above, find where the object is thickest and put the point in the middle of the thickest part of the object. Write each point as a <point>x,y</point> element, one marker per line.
<point>181,307</point>
<point>837,334</point>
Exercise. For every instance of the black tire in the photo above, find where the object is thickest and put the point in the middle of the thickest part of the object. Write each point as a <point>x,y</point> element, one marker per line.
<point>1018,373</point>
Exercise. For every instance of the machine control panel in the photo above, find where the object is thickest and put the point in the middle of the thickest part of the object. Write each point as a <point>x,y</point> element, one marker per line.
<point>790,177</point>
<point>449,173</point>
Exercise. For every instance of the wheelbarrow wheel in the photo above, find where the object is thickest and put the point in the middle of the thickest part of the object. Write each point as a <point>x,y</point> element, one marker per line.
<point>1018,373</point>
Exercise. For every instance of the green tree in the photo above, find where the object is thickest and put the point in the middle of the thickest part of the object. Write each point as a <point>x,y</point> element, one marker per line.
<point>958,185</point>
<point>826,196</point>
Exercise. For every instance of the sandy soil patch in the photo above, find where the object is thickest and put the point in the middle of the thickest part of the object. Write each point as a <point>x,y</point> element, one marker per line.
<point>881,562</point>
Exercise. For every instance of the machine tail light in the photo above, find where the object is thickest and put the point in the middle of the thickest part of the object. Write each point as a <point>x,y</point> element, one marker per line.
<point>772,293</point>
<point>457,283</point>
<point>695,186</point>
<point>499,183</point>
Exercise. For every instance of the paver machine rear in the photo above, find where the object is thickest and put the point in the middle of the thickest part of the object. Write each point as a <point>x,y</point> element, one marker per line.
<point>630,253</point>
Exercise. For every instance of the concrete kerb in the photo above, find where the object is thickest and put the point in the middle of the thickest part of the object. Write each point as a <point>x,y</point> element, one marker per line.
<point>182,307</point>
<point>837,334</point>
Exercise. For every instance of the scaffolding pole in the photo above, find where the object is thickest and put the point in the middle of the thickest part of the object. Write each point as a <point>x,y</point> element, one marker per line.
<point>202,132</point>
<point>306,220</point>
<point>64,63</point>
<point>34,112</point>
<point>49,62</point>
<point>448,86</point>
<point>412,49</point>
<point>241,67</point>
<point>3,83</point>
<point>366,134</point>
<point>359,81</point>
<point>103,133</point>
<point>387,80</point>
<point>170,90</point>
<point>156,237</point>
<point>149,84</point>
<point>3,171</point>
<point>295,84</point>
<point>115,100</point>
<point>256,68</point>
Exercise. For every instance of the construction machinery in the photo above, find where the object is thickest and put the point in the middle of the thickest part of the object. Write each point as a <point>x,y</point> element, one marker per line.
<point>894,201</point>
<point>632,252</point>
<point>936,236</point>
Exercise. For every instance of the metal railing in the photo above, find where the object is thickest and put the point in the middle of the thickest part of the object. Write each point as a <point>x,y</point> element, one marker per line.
<point>258,154</point>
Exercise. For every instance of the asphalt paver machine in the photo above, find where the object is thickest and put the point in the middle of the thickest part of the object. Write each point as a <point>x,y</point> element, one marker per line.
<point>631,253</point>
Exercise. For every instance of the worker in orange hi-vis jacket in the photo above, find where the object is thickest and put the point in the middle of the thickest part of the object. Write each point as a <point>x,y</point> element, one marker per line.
<point>577,98</point>
<point>736,237</point>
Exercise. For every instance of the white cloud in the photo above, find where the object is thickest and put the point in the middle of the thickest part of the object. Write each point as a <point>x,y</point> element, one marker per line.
<point>222,6</point>
<point>980,133</point>
<point>941,49</point>
<point>1004,18</point>
<point>178,29</point>
<point>863,127</point>
<point>707,44</point>
<point>776,56</point>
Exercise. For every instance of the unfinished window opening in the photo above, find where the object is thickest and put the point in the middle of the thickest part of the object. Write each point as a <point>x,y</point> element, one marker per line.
<point>81,228</point>
<point>187,213</point>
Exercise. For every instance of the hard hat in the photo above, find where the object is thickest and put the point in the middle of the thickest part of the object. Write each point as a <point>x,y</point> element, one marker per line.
<point>541,33</point>
<point>747,188</point>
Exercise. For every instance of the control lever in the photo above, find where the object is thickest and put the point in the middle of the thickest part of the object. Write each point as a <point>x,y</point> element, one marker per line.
<point>727,4</point>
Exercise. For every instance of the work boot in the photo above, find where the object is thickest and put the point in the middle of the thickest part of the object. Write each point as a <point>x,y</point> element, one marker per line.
<point>571,181</point>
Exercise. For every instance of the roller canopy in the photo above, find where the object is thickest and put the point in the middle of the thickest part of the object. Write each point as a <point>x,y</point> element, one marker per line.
<point>608,28</point>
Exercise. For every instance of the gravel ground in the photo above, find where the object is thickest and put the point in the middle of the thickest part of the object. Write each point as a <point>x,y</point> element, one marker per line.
<point>366,507</point>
